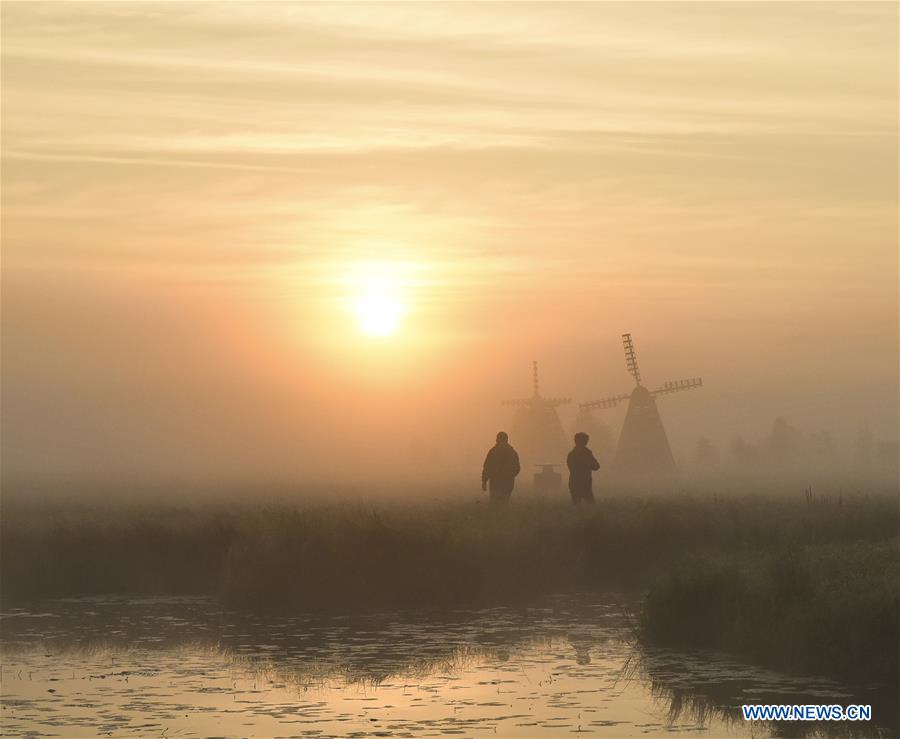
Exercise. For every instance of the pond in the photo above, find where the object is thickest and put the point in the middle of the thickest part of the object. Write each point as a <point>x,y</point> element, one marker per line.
<point>184,667</point>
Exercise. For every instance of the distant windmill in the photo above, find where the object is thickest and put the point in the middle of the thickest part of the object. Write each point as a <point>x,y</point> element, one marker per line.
<point>643,446</point>
<point>536,430</point>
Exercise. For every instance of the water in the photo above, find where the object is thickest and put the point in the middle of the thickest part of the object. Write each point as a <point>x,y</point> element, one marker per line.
<point>184,667</point>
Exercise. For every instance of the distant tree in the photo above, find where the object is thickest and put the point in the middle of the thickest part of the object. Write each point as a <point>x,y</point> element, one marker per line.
<point>784,444</point>
<point>744,454</point>
<point>872,453</point>
<point>706,456</point>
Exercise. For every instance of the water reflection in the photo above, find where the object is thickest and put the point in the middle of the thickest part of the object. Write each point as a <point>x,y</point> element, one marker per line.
<point>701,686</point>
<point>184,667</point>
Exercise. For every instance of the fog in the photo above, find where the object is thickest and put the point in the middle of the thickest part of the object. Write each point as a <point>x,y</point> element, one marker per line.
<point>179,251</point>
<point>107,385</point>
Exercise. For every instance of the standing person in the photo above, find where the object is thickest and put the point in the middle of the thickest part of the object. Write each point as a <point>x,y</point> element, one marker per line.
<point>500,469</point>
<point>582,464</point>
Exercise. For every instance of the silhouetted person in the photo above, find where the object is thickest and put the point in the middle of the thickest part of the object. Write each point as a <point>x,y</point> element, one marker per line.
<point>500,469</point>
<point>582,464</point>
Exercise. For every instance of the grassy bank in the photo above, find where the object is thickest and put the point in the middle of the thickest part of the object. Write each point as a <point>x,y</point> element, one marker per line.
<point>829,608</point>
<point>425,554</point>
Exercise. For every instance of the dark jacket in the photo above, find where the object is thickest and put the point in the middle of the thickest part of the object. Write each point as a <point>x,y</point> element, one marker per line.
<point>501,466</point>
<point>582,464</point>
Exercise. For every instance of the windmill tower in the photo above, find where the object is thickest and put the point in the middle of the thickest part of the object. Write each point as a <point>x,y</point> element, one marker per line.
<point>536,430</point>
<point>643,445</point>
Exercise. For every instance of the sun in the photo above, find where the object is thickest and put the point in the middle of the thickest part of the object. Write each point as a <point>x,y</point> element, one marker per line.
<point>379,303</point>
<point>378,315</point>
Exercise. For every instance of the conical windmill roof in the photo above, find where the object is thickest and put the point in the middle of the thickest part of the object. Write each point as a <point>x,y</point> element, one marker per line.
<point>643,445</point>
<point>538,434</point>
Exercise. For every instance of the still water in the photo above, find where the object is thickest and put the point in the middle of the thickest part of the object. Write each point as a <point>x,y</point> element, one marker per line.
<point>184,667</point>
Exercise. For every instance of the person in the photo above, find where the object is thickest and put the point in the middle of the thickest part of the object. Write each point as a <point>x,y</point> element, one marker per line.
<point>500,469</point>
<point>582,464</point>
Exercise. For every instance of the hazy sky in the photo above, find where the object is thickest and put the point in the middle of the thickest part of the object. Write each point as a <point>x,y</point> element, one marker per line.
<point>196,196</point>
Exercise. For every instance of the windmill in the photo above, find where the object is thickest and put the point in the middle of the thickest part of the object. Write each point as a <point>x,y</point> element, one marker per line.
<point>643,447</point>
<point>536,431</point>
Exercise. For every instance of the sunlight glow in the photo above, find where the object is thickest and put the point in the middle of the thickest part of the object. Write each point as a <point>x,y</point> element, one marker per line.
<point>379,304</point>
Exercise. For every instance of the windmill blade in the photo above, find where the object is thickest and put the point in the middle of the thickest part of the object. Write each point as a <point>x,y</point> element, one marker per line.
<point>676,386</point>
<point>631,358</point>
<point>519,402</point>
<point>608,402</point>
<point>549,402</point>
<point>555,402</point>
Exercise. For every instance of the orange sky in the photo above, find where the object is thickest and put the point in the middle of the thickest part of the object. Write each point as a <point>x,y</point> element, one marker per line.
<point>190,192</point>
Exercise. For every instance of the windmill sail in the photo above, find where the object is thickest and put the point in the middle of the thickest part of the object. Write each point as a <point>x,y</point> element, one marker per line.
<point>643,447</point>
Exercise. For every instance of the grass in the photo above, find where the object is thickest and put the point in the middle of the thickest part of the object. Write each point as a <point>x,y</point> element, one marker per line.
<point>353,556</point>
<point>828,608</point>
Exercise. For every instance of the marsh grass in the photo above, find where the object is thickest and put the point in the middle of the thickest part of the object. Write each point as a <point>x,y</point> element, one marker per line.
<point>831,608</point>
<point>441,553</point>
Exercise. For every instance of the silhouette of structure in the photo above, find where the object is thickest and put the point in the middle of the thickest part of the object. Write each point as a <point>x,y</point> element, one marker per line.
<point>643,446</point>
<point>536,427</point>
<point>706,457</point>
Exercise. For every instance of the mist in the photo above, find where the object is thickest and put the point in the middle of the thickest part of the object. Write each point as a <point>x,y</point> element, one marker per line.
<point>143,383</point>
<point>179,254</point>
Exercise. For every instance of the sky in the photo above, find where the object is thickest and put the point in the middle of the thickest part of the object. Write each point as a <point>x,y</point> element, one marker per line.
<point>201,202</point>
